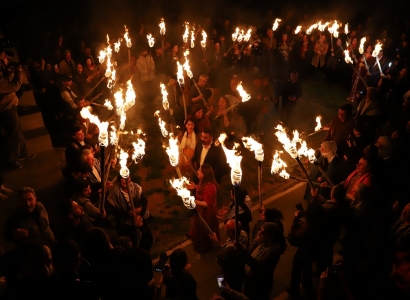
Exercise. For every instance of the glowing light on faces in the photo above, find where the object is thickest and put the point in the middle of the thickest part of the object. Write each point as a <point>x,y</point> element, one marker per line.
<point>253,145</point>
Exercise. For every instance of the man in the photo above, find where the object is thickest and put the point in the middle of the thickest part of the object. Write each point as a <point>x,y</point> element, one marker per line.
<point>10,83</point>
<point>74,148</point>
<point>29,222</point>
<point>261,261</point>
<point>67,65</point>
<point>340,128</point>
<point>229,258</point>
<point>120,204</point>
<point>69,93</point>
<point>291,92</point>
<point>362,174</point>
<point>374,74</point>
<point>207,153</point>
<point>268,51</point>
<point>199,97</point>
<point>176,110</point>
<point>146,71</point>
<point>77,222</point>
<point>90,131</point>
<point>82,198</point>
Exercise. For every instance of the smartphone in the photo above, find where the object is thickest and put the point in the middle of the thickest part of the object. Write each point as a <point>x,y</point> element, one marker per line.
<point>299,206</point>
<point>221,281</point>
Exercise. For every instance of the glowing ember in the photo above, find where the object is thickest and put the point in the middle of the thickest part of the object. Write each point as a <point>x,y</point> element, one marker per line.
<point>185,36</point>
<point>244,95</point>
<point>108,104</point>
<point>253,145</point>
<point>173,151</point>
<point>348,59</point>
<point>377,49</point>
<point>162,29</point>
<point>319,125</point>
<point>361,47</point>
<point>164,93</point>
<point>234,160</point>
<point>276,24</point>
<point>310,29</point>
<point>151,40</point>
<point>124,172</point>
<point>278,165</point>
<point>203,42</point>
<point>298,28</point>
<point>127,38</point>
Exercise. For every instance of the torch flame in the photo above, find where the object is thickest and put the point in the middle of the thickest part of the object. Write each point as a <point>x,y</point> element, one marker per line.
<point>162,27</point>
<point>127,38</point>
<point>248,35</point>
<point>173,151</point>
<point>361,47</point>
<point>108,104</point>
<point>234,160</point>
<point>321,26</point>
<point>117,46</point>
<point>102,56</point>
<point>298,28</point>
<point>333,29</point>
<point>276,24</point>
<point>193,37</point>
<point>253,145</point>
<point>151,40</point>
<point>309,31</point>
<point>124,172</point>
<point>347,28</point>
<point>279,165</point>
<point>203,42</point>
<point>179,185</point>
<point>162,124</point>
<point>180,74</point>
<point>186,33</point>
<point>377,49</point>
<point>129,96</point>
<point>319,125</point>
<point>113,135</point>
<point>139,150</point>
<point>102,126</point>
<point>164,93</point>
<point>187,68</point>
<point>235,34</point>
<point>244,95</point>
<point>348,59</point>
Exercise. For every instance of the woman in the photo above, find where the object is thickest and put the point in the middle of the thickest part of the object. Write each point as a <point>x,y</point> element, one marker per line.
<point>90,70</point>
<point>200,119</point>
<point>244,215</point>
<point>220,119</point>
<point>320,51</point>
<point>187,144</point>
<point>205,201</point>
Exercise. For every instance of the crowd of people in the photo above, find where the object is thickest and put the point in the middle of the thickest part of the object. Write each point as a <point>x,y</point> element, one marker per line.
<point>360,196</point>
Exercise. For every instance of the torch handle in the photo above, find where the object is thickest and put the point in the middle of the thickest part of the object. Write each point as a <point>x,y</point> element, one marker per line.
<point>229,108</point>
<point>236,190</point>
<point>380,68</point>
<point>227,51</point>
<point>260,183</point>
<point>184,101</point>
<point>178,172</point>
<point>365,62</point>
<point>304,171</point>
<point>203,221</point>
<point>94,87</point>
<point>102,200</point>
<point>324,174</point>
<point>129,194</point>
<point>162,46</point>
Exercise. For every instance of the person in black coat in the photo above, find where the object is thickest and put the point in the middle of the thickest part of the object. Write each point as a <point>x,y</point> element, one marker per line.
<point>207,153</point>
<point>291,92</point>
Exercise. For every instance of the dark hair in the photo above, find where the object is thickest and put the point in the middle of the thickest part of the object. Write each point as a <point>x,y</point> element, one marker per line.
<point>339,192</point>
<point>348,108</point>
<point>177,261</point>
<point>195,109</point>
<point>208,176</point>
<point>119,177</point>
<point>271,214</point>
<point>82,167</point>
<point>67,207</point>
<point>189,119</point>
<point>226,101</point>
<point>241,196</point>
<point>208,130</point>
<point>80,185</point>
<point>25,190</point>
<point>74,130</point>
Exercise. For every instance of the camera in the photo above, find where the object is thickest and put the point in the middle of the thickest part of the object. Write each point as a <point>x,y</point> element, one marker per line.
<point>160,264</point>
